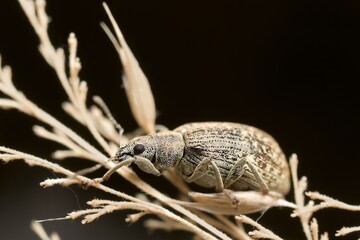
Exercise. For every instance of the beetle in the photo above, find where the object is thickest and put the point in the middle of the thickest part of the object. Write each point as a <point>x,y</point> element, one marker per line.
<point>213,155</point>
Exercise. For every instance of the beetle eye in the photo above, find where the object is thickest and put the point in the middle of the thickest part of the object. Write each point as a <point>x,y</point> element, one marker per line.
<point>138,149</point>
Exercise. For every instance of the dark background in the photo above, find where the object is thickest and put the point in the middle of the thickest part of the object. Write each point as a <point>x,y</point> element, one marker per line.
<point>287,67</point>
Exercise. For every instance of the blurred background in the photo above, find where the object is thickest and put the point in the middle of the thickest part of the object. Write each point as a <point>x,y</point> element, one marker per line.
<point>288,67</point>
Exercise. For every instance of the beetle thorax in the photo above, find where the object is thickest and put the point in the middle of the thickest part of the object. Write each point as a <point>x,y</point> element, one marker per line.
<point>169,149</point>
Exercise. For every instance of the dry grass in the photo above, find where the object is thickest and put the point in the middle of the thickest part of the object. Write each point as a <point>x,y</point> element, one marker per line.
<point>223,219</point>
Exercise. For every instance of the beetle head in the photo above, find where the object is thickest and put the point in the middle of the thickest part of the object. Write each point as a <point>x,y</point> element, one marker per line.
<point>163,150</point>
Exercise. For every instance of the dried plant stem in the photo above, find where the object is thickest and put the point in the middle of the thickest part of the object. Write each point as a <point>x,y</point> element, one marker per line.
<point>346,230</point>
<point>314,229</point>
<point>39,230</point>
<point>75,89</point>
<point>11,155</point>
<point>109,206</point>
<point>7,155</point>
<point>261,232</point>
<point>329,202</point>
<point>177,181</point>
<point>304,212</point>
<point>299,189</point>
<point>75,149</point>
<point>128,174</point>
<point>35,11</point>
<point>32,160</point>
<point>136,84</point>
<point>31,109</point>
<point>9,104</point>
<point>182,210</point>
<point>237,231</point>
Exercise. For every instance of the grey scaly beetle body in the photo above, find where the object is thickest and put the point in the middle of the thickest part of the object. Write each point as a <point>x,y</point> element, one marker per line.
<point>246,157</point>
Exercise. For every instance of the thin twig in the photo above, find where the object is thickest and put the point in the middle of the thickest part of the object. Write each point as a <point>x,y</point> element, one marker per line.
<point>299,189</point>
<point>40,231</point>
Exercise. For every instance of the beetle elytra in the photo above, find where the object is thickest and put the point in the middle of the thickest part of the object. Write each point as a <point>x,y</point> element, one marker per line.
<point>213,155</point>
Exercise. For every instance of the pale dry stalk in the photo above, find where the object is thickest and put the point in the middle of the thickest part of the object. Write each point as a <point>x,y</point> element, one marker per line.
<point>346,230</point>
<point>137,86</point>
<point>299,189</point>
<point>40,231</point>
<point>329,202</point>
<point>262,232</point>
<point>305,211</point>
<point>7,155</point>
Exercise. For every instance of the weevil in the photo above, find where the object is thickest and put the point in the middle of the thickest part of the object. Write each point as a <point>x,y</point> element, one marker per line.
<point>213,155</point>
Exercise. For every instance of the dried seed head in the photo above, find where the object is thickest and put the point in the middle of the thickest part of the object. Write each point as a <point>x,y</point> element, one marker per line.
<point>137,87</point>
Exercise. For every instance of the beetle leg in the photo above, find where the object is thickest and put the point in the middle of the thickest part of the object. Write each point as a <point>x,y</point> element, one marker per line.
<point>238,170</point>
<point>199,171</point>
<point>263,186</point>
<point>235,172</point>
<point>219,187</point>
<point>202,168</point>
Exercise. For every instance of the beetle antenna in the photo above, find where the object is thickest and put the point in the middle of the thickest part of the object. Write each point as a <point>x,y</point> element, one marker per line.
<point>100,102</point>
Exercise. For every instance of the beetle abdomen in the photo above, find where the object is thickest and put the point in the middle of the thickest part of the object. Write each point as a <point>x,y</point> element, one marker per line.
<point>226,143</point>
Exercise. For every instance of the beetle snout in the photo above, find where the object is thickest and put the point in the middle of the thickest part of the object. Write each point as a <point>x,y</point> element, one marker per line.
<point>123,157</point>
<point>123,154</point>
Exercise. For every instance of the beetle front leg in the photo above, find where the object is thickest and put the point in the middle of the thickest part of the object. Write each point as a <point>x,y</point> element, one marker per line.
<point>202,168</point>
<point>199,171</point>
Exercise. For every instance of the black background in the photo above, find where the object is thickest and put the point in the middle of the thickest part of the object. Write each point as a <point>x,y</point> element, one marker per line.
<point>287,67</point>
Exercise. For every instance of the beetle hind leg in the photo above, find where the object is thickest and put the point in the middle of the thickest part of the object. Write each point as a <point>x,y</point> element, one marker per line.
<point>263,186</point>
<point>238,170</point>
